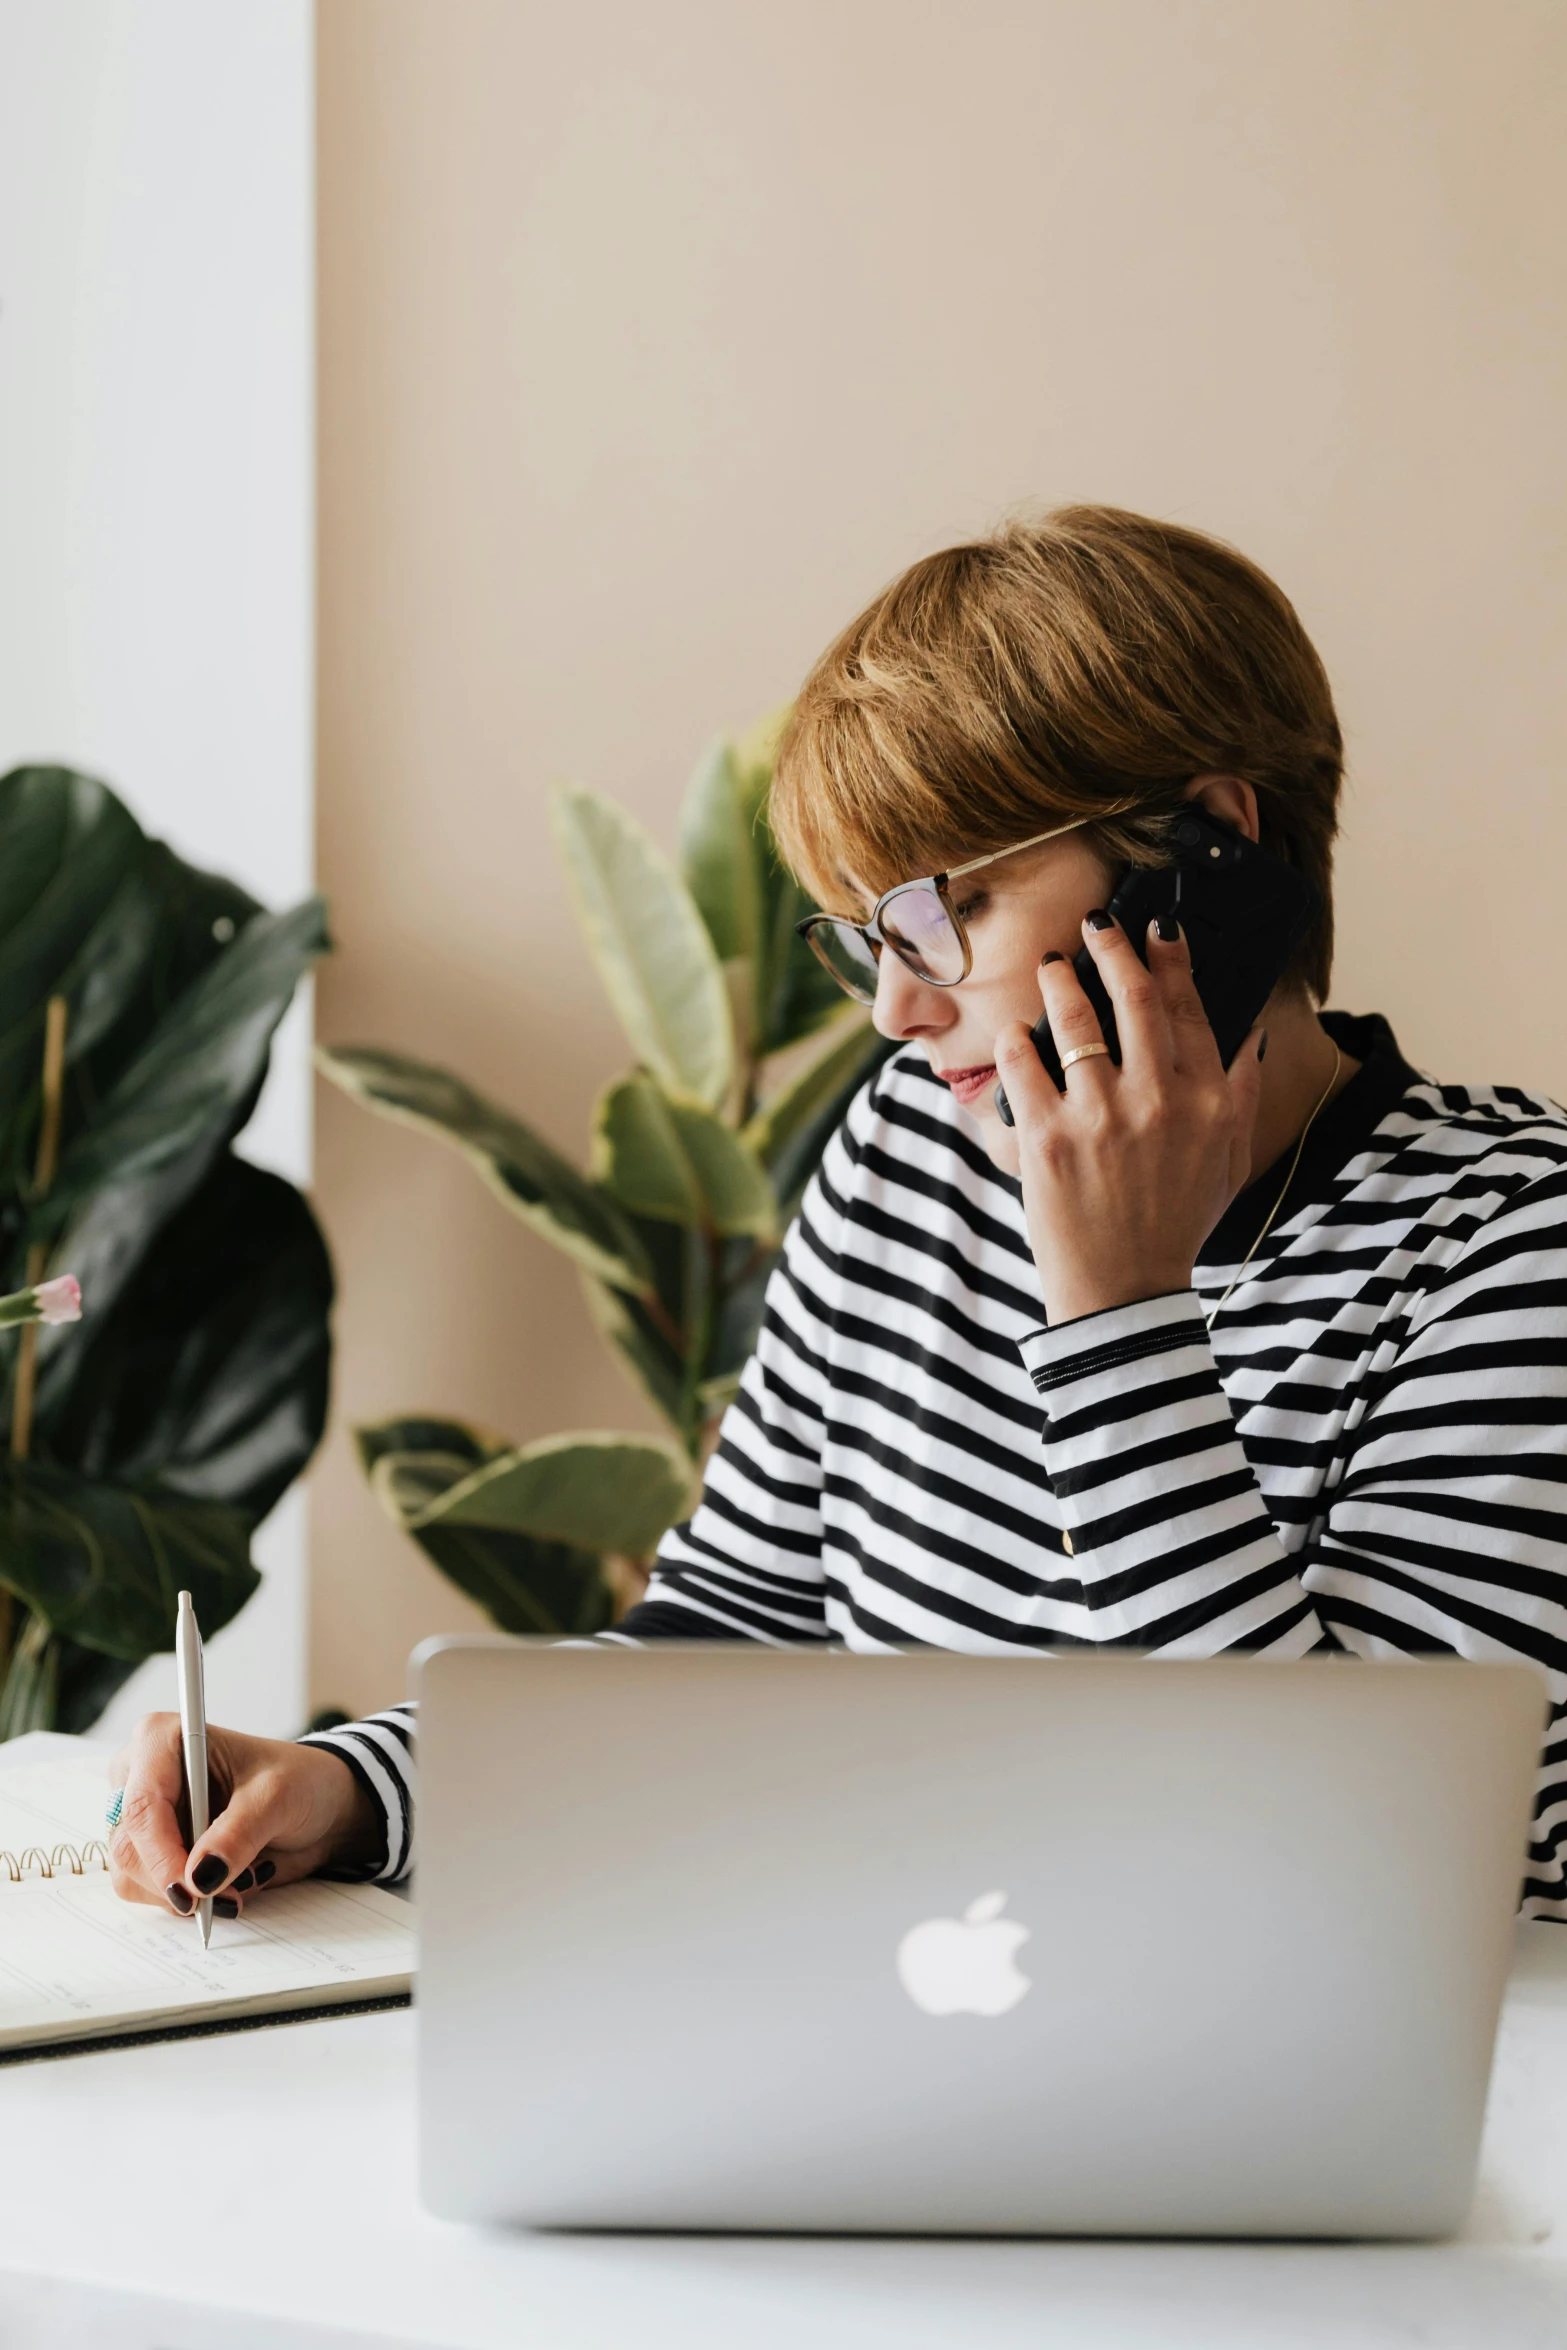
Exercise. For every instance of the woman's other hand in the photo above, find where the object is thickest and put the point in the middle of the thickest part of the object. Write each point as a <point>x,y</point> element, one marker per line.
<point>279,1811</point>
<point>1126,1173</point>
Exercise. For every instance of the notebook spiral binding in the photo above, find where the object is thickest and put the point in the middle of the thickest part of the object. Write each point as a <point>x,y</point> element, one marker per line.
<point>62,1860</point>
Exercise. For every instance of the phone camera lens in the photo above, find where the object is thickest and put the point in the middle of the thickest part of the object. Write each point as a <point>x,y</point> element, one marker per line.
<point>1187,835</point>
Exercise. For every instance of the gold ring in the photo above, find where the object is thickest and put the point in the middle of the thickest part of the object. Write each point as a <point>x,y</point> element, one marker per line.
<point>1081,1052</point>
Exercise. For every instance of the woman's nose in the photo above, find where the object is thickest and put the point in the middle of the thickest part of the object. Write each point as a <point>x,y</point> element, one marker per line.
<point>906,1006</point>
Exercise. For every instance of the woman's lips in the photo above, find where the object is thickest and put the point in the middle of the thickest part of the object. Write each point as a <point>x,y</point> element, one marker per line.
<point>969,1085</point>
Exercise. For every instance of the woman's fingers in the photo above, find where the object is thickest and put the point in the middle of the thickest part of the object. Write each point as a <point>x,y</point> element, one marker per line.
<point>1144,1030</point>
<point>1031,1096</point>
<point>147,1854</point>
<point>233,1846</point>
<point>1073,1019</point>
<point>1192,1040</point>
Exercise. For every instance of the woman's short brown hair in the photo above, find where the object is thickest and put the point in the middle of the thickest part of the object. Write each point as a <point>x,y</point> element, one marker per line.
<point>1059,669</point>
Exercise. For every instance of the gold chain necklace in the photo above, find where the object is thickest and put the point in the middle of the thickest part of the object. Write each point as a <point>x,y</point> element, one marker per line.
<point>1338,1063</point>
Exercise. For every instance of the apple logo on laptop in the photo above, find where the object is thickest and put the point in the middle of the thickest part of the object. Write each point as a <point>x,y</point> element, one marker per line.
<point>966,1965</point>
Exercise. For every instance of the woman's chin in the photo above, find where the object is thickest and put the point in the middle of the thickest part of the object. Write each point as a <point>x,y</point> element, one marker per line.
<point>997,1139</point>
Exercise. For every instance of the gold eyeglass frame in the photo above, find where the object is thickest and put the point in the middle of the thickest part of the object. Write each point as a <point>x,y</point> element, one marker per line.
<point>938,884</point>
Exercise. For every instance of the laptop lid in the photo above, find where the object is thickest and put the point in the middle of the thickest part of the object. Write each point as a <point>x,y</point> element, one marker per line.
<point>747,1938</point>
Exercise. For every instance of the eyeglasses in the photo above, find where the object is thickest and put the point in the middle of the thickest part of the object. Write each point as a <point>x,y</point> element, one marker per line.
<point>917,920</point>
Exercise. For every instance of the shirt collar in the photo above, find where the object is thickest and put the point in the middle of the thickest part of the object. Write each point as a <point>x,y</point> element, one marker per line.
<point>1339,1135</point>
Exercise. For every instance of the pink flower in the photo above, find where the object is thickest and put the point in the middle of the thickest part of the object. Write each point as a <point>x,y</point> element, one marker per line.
<point>59,1300</point>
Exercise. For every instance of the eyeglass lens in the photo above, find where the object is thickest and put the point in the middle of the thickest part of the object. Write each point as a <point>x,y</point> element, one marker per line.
<point>920,931</point>
<point>847,954</point>
<point>917,927</point>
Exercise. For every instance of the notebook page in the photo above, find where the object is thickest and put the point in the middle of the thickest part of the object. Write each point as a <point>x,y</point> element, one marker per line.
<point>48,1803</point>
<point>75,1959</point>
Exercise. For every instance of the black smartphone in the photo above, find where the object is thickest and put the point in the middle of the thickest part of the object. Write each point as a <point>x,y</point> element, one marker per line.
<point>1244,913</point>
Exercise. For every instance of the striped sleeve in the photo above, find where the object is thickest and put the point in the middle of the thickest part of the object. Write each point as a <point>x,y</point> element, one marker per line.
<point>1169,1532</point>
<point>380,1753</point>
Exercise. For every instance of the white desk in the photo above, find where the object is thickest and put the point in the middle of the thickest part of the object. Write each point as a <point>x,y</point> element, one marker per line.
<point>257,2192</point>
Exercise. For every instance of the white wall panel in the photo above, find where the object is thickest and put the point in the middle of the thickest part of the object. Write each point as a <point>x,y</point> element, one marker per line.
<point>156,503</point>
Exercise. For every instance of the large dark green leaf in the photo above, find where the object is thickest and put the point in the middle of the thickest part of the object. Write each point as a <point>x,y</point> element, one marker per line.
<point>66,846</point>
<point>56,1684</point>
<point>103,1564</point>
<point>134,1163</point>
<point>178,1098</point>
<point>209,1375</point>
<point>521,1168</point>
<point>117,925</point>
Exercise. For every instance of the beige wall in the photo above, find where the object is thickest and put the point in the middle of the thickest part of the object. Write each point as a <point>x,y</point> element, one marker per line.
<point>652,340</point>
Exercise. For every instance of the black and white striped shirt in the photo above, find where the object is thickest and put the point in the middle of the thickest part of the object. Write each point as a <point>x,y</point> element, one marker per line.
<point>1366,1452</point>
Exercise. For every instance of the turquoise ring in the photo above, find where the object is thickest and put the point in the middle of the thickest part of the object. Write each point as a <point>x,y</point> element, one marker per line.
<point>112,1813</point>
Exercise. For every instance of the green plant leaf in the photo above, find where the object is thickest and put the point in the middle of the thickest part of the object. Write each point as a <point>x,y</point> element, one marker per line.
<point>795,995</point>
<point>524,1171</point>
<point>460,1440</point>
<point>594,1491</point>
<point>201,1063</point>
<point>119,927</point>
<point>846,1053</point>
<point>722,854</point>
<point>647,1351</point>
<point>651,946</point>
<point>677,1164</point>
<point>103,1564</point>
<point>795,1159</point>
<point>524,1584</point>
<point>544,1589</point>
<point>208,1377</point>
<point>29,1693</point>
<point>56,1684</point>
<point>66,843</point>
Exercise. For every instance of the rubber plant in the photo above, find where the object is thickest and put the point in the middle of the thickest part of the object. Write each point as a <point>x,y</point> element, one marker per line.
<point>144,1444</point>
<point>746,1056</point>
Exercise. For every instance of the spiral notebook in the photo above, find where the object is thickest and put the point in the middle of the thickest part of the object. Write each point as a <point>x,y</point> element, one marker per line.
<point>78,1966</point>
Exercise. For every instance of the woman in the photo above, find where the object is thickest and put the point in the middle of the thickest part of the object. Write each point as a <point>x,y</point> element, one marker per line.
<point>1191,1360</point>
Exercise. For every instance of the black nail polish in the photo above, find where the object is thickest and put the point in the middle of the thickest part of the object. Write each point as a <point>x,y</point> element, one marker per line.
<point>1167,927</point>
<point>1100,920</point>
<point>266,1870</point>
<point>1262,1046</point>
<point>244,1881</point>
<point>224,1908</point>
<point>1052,957</point>
<point>177,1898</point>
<point>210,1873</point>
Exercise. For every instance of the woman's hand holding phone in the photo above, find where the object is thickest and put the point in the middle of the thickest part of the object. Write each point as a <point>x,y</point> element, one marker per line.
<point>1126,1173</point>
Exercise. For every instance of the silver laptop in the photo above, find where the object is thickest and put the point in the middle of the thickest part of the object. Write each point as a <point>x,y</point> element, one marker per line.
<point>743,1938</point>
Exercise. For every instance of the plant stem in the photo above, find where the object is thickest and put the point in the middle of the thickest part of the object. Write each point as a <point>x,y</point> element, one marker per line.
<point>701,1270</point>
<point>27,1350</point>
<point>37,1255</point>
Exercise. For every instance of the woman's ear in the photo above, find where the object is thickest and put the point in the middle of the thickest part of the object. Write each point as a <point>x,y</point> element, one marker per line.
<point>1228,798</point>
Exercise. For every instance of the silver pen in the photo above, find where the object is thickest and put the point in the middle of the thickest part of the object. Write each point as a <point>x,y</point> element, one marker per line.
<point>193,1736</point>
